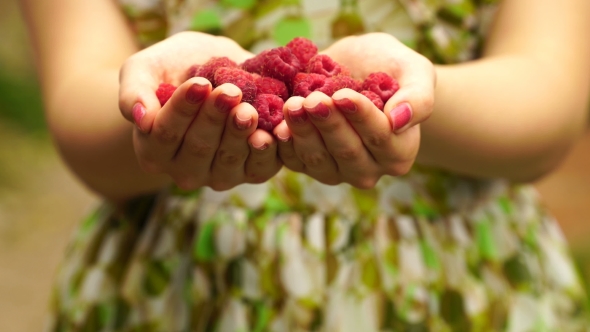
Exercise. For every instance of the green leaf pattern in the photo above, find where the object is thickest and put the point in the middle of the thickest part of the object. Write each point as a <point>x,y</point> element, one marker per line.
<point>427,251</point>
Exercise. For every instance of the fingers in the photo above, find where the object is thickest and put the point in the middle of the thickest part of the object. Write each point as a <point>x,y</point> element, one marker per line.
<point>262,163</point>
<point>195,155</point>
<point>414,101</point>
<point>374,129</point>
<point>286,150</point>
<point>157,148</point>
<point>307,141</point>
<point>341,140</point>
<point>228,165</point>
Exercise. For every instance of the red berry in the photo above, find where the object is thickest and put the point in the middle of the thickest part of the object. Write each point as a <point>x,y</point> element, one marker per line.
<point>207,70</point>
<point>381,84</point>
<point>269,85</point>
<point>282,64</point>
<point>304,84</point>
<point>374,98</point>
<point>343,81</point>
<point>192,71</point>
<point>242,79</point>
<point>256,63</point>
<point>304,49</point>
<point>164,92</point>
<point>270,111</point>
<point>323,64</point>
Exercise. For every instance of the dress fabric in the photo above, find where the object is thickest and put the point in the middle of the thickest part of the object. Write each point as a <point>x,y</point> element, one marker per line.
<point>428,251</point>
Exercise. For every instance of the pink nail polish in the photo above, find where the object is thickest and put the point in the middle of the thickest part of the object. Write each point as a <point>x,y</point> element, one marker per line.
<point>401,115</point>
<point>196,93</point>
<point>319,111</point>
<point>297,116</point>
<point>138,112</point>
<point>345,105</point>
<point>224,102</point>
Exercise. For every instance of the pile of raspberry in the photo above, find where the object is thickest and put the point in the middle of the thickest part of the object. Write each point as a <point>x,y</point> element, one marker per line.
<point>271,77</point>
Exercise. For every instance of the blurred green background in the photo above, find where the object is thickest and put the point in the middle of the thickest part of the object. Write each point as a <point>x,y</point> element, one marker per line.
<point>41,202</point>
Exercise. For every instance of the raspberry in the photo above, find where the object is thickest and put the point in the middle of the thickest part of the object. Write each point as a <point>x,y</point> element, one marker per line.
<point>304,84</point>
<point>164,92</point>
<point>207,70</point>
<point>269,85</point>
<point>282,64</point>
<point>304,49</point>
<point>256,63</point>
<point>374,98</point>
<point>270,111</point>
<point>381,84</point>
<point>239,78</point>
<point>192,71</point>
<point>343,81</point>
<point>323,64</point>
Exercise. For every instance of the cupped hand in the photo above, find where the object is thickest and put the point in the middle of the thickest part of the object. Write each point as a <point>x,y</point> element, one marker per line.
<point>201,136</point>
<point>344,137</point>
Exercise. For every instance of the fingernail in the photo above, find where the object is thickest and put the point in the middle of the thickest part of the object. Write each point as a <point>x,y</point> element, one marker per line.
<point>319,111</point>
<point>401,115</point>
<point>138,112</point>
<point>283,139</point>
<point>243,123</point>
<point>297,115</point>
<point>261,147</point>
<point>225,102</point>
<point>196,93</point>
<point>345,105</point>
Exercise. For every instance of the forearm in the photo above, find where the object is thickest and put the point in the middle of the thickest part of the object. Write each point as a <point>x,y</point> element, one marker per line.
<point>515,113</point>
<point>94,139</point>
<point>504,116</point>
<point>79,48</point>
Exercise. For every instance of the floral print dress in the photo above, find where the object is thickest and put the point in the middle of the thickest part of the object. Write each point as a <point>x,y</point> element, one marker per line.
<point>428,251</point>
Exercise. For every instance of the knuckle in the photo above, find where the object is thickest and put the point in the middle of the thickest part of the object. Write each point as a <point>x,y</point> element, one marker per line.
<point>255,178</point>
<point>358,118</point>
<point>199,149</point>
<point>166,136</point>
<point>186,182</point>
<point>150,166</point>
<point>378,138</point>
<point>314,159</point>
<point>366,182</point>
<point>187,112</point>
<point>399,168</point>
<point>215,119</point>
<point>329,127</point>
<point>229,159</point>
<point>330,180</point>
<point>221,185</point>
<point>287,154</point>
<point>347,154</point>
<point>293,164</point>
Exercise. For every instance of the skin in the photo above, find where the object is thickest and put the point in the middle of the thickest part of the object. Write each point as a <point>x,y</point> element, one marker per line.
<point>514,113</point>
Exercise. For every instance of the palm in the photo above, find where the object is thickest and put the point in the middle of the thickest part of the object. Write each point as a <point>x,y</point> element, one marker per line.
<point>385,52</point>
<point>172,57</point>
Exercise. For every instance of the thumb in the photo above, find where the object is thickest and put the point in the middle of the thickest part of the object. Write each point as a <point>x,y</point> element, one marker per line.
<point>137,98</point>
<point>413,103</point>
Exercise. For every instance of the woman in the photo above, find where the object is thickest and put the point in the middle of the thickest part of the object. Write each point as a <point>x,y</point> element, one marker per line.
<point>453,245</point>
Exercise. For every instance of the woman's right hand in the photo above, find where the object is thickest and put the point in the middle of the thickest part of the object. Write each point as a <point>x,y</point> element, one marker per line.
<point>201,136</point>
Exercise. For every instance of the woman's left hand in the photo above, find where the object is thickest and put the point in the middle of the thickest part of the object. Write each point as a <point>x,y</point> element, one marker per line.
<point>344,137</point>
